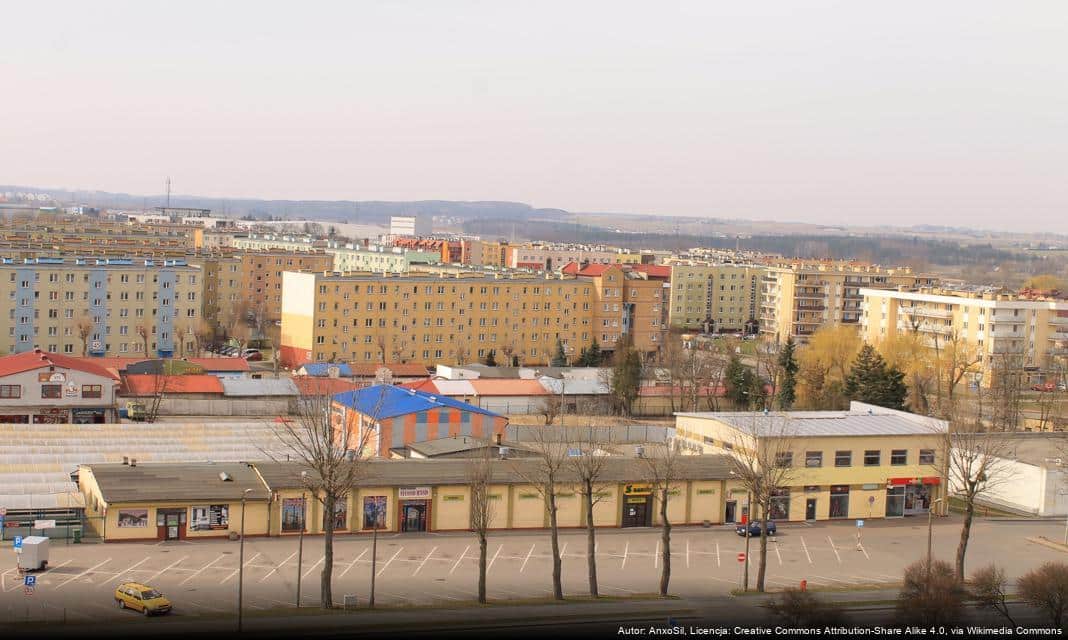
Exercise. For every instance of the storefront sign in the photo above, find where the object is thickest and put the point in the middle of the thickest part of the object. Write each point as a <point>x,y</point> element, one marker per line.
<point>706,492</point>
<point>54,376</point>
<point>453,498</point>
<point>637,489</point>
<point>869,487</point>
<point>44,524</point>
<point>207,518</point>
<point>414,493</point>
<point>72,389</point>
<point>896,482</point>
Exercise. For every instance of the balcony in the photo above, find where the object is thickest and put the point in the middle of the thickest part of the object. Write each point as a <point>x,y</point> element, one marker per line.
<point>1059,336</point>
<point>927,312</point>
<point>1060,321</point>
<point>936,328</point>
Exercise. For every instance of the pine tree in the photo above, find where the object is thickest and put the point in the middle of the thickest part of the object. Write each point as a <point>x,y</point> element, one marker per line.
<point>560,358</point>
<point>626,376</point>
<point>737,382</point>
<point>871,381</point>
<point>491,358</point>
<point>789,367</point>
<point>594,357</point>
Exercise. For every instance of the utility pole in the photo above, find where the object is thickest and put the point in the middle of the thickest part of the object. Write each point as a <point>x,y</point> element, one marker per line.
<point>241,563</point>
<point>300,544</point>
<point>748,524</point>
<point>374,558</point>
<point>168,192</point>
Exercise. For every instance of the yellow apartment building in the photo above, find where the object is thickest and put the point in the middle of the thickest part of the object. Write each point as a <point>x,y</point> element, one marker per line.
<point>371,318</point>
<point>49,298</point>
<point>1033,328</point>
<point>867,462</point>
<point>798,297</point>
<point>548,257</point>
<point>723,296</point>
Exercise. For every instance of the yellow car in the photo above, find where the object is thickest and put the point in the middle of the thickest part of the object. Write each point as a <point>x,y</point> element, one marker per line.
<point>136,596</point>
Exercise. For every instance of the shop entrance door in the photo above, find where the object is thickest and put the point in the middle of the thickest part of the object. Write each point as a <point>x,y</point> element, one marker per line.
<point>413,516</point>
<point>171,525</point>
<point>636,511</point>
<point>810,509</point>
<point>732,510</point>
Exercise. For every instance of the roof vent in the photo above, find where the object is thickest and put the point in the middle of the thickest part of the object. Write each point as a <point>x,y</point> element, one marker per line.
<point>133,462</point>
<point>225,477</point>
<point>504,451</point>
<point>125,460</point>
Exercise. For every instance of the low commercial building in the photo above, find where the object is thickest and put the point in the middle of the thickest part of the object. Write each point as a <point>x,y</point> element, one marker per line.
<point>867,462</point>
<point>42,388</point>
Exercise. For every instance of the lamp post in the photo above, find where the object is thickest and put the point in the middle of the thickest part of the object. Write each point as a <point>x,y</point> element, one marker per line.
<point>374,556</point>
<point>930,513</point>
<point>241,563</point>
<point>300,543</point>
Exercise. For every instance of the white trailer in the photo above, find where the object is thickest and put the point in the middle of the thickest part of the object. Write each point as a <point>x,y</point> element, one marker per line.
<point>34,553</point>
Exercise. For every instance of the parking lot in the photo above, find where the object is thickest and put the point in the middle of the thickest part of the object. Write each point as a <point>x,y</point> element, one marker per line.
<point>424,569</point>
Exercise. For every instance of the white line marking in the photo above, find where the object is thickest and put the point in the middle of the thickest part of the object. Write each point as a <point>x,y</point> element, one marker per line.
<point>717,556</point>
<point>247,563</point>
<point>317,563</point>
<point>19,584</point>
<point>490,566</point>
<point>687,553</point>
<point>277,567</point>
<point>805,547</point>
<point>626,549</point>
<point>460,559</point>
<point>427,558</point>
<point>123,572</point>
<point>865,551</point>
<point>84,573</point>
<point>656,555</point>
<point>834,549</point>
<point>197,572</point>
<point>353,563</point>
<point>608,586</point>
<point>563,550</point>
<point>527,558</point>
<point>778,555</point>
<point>388,562</point>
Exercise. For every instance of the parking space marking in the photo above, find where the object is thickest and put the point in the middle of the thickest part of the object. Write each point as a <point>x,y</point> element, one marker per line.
<point>118,574</point>
<point>200,570</point>
<point>865,551</point>
<point>525,560</point>
<point>19,584</point>
<point>835,549</point>
<point>805,547</point>
<point>204,606</point>
<point>656,555</point>
<point>166,569</point>
<point>279,566</point>
<point>317,563</point>
<point>461,558</point>
<point>626,550</point>
<point>717,555</point>
<point>615,588</point>
<point>389,562</point>
<point>353,563</point>
<point>417,569</point>
<point>490,566</point>
<point>235,571</point>
<point>82,574</point>
<point>837,580</point>
<point>778,555</point>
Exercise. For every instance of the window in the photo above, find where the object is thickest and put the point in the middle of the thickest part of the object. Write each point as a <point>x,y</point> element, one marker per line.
<point>780,505</point>
<point>872,458</point>
<point>92,391</point>
<point>51,391</point>
<point>927,456</point>
<point>899,457</point>
<point>10,391</point>
<point>784,459</point>
<point>814,459</point>
<point>839,501</point>
<point>843,458</point>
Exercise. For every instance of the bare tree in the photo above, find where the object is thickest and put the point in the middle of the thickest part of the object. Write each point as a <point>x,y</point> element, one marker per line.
<point>954,359</point>
<point>204,334</point>
<point>549,408</point>
<point>663,464</point>
<point>1046,588</point>
<point>989,589</point>
<point>336,458</point>
<point>463,351</point>
<point>144,331</point>
<point>762,461</point>
<point>544,471</point>
<point>479,479</point>
<point>588,468</point>
<point>159,390</point>
<point>85,329</point>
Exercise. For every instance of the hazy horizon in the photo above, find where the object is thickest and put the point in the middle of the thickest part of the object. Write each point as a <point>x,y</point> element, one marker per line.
<point>826,112</point>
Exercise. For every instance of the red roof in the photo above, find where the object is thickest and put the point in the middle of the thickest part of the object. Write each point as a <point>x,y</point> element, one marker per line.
<point>147,385</point>
<point>653,270</point>
<point>571,268</point>
<point>37,359</point>
<point>421,385</point>
<point>316,386</point>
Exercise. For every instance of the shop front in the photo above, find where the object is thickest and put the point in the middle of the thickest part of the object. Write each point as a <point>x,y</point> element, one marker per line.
<point>637,505</point>
<point>414,508</point>
<point>910,496</point>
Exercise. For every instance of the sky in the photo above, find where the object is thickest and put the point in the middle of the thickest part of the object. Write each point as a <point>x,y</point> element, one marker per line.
<point>949,112</point>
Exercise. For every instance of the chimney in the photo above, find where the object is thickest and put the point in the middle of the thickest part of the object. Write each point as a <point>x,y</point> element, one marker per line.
<point>125,460</point>
<point>497,438</point>
<point>133,462</point>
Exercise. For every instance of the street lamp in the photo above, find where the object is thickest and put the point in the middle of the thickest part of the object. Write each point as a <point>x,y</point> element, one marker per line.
<point>303,518</point>
<point>374,556</point>
<point>241,562</point>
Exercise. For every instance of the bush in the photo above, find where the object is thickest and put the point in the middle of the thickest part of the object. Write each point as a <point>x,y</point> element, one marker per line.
<point>988,587</point>
<point>930,598</point>
<point>1046,588</point>
<point>796,608</point>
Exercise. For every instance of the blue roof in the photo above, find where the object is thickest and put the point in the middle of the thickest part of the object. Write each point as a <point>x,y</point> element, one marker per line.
<point>388,401</point>
<point>320,369</point>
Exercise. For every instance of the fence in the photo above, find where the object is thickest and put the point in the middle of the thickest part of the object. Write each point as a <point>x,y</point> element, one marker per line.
<point>622,434</point>
<point>71,524</point>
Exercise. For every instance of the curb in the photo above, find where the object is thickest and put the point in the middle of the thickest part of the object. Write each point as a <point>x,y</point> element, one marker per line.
<point>1046,542</point>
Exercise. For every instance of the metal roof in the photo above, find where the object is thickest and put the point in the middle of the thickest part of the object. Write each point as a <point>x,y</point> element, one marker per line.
<point>121,483</point>
<point>387,401</point>
<point>259,387</point>
<point>860,420</point>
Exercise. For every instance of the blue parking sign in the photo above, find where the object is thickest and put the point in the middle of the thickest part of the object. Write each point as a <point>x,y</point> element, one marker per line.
<point>18,542</point>
<point>860,523</point>
<point>30,581</point>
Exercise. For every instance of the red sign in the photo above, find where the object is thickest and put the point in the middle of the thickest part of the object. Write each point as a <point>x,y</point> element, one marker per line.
<point>741,557</point>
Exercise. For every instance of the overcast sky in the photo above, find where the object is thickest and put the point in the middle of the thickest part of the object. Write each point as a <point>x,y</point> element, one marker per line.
<point>951,112</point>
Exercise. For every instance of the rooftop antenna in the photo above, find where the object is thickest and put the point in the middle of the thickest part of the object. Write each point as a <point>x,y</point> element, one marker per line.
<point>168,192</point>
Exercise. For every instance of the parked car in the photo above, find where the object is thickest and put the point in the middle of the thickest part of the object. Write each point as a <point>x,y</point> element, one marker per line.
<point>145,599</point>
<point>1045,386</point>
<point>229,351</point>
<point>754,528</point>
<point>252,355</point>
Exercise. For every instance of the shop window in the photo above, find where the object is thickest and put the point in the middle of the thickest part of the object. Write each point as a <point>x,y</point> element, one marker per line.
<point>92,391</point>
<point>927,456</point>
<point>843,458</point>
<point>839,501</point>
<point>52,391</point>
<point>780,505</point>
<point>899,457</point>
<point>814,459</point>
<point>784,459</point>
<point>872,458</point>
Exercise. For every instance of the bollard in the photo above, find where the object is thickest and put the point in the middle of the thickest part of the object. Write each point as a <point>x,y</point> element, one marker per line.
<point>804,585</point>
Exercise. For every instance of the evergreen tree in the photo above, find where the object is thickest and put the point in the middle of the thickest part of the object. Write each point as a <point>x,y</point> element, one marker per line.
<point>559,358</point>
<point>789,367</point>
<point>583,359</point>
<point>491,358</point>
<point>736,381</point>
<point>626,375</point>
<point>594,357</point>
<point>871,381</point>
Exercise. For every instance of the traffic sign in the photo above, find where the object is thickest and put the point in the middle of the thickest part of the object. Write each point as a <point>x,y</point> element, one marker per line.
<point>3,511</point>
<point>44,524</point>
<point>18,542</point>
<point>28,590</point>
<point>741,557</point>
<point>860,523</point>
<point>30,581</point>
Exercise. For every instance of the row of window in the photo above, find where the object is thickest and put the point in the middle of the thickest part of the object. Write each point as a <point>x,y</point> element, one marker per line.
<point>872,458</point>
<point>50,391</point>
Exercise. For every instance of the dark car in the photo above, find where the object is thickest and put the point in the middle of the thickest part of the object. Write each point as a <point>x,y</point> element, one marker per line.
<point>754,528</point>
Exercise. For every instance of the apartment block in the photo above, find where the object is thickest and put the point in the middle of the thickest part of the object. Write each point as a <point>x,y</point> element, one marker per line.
<point>798,297</point>
<point>547,257</point>
<point>368,318</point>
<point>715,297</point>
<point>50,299</point>
<point>989,323</point>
